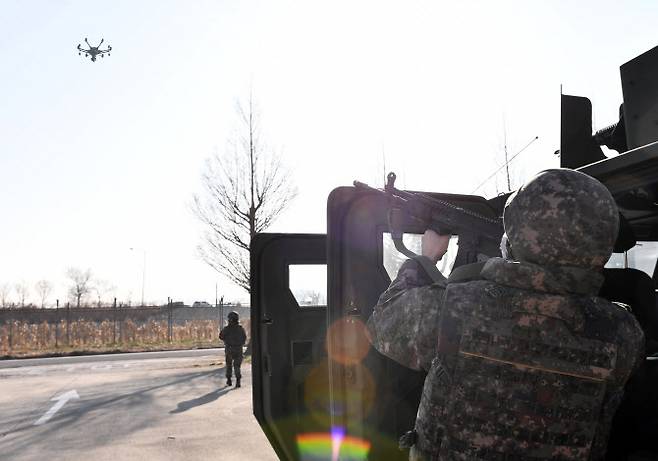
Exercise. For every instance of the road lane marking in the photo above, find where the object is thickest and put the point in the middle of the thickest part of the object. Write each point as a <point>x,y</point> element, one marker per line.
<point>61,401</point>
<point>106,366</point>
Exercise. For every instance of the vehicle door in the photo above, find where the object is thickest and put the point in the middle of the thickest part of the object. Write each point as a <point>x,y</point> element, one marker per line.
<point>288,326</point>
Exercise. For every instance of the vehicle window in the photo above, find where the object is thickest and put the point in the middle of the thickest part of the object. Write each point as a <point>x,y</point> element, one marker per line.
<point>308,284</point>
<point>642,256</point>
<point>392,259</point>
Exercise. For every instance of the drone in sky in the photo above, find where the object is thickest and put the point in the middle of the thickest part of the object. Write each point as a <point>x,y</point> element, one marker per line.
<point>94,51</point>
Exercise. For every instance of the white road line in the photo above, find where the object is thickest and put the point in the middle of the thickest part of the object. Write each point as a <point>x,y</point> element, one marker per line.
<point>61,401</point>
<point>103,366</point>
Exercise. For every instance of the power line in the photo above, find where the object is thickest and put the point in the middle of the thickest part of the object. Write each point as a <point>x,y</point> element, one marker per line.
<point>505,164</point>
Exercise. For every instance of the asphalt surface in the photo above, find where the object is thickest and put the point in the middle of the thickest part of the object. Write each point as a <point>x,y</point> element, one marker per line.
<point>153,406</point>
<point>110,357</point>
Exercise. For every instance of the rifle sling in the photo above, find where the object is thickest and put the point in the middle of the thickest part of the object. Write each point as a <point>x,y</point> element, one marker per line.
<point>430,269</point>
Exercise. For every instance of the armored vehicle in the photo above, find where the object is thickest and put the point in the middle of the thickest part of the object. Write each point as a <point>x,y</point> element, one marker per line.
<point>322,392</point>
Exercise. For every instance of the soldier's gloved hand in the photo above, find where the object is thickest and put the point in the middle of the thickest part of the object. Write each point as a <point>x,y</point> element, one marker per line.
<point>434,245</point>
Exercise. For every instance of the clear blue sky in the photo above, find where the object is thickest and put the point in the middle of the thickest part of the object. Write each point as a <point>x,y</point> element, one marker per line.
<point>96,158</point>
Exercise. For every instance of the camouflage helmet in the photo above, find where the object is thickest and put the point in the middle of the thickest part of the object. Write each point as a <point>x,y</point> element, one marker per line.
<point>233,317</point>
<point>562,217</point>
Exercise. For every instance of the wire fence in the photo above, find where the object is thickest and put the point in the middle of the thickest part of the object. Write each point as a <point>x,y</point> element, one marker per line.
<point>34,331</point>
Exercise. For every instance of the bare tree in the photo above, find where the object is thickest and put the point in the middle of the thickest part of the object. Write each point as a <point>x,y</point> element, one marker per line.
<point>244,191</point>
<point>103,289</point>
<point>22,291</point>
<point>127,300</point>
<point>80,284</point>
<point>43,288</point>
<point>5,292</point>
<point>310,298</point>
<point>392,258</point>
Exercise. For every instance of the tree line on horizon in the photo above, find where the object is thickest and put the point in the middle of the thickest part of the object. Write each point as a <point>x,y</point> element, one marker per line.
<point>83,290</point>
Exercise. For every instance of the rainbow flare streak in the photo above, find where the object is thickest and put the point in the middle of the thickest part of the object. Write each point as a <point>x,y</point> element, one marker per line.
<point>335,446</point>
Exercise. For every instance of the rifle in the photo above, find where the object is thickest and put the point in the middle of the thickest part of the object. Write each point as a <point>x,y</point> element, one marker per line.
<point>474,230</point>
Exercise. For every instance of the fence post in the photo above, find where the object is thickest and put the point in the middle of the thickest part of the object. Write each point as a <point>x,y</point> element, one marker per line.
<point>68,324</point>
<point>114,322</point>
<point>169,322</point>
<point>221,319</point>
<point>169,300</point>
<point>121,329</point>
<point>221,313</point>
<point>56,323</point>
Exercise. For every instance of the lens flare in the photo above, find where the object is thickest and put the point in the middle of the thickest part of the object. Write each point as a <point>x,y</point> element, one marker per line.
<point>337,436</point>
<point>334,446</point>
<point>354,392</point>
<point>317,393</point>
<point>348,341</point>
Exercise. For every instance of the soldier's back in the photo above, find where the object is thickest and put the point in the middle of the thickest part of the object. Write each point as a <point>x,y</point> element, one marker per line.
<point>535,374</point>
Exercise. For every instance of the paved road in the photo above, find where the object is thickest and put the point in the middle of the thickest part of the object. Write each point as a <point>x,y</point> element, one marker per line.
<point>155,406</point>
<point>110,357</point>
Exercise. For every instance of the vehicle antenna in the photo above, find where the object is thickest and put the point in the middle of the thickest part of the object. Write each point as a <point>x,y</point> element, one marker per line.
<point>509,183</point>
<point>384,162</point>
<point>506,163</point>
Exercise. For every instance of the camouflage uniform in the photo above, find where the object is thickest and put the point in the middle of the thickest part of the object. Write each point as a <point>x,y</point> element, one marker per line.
<point>530,364</point>
<point>404,324</point>
<point>234,338</point>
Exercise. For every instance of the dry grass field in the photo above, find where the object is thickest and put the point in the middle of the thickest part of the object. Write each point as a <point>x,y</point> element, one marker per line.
<point>23,339</point>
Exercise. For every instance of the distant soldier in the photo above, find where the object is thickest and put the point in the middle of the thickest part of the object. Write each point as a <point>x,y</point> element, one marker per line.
<point>234,338</point>
<point>529,362</point>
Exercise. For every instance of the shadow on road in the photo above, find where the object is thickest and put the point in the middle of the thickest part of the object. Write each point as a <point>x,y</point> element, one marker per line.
<point>122,412</point>
<point>209,397</point>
